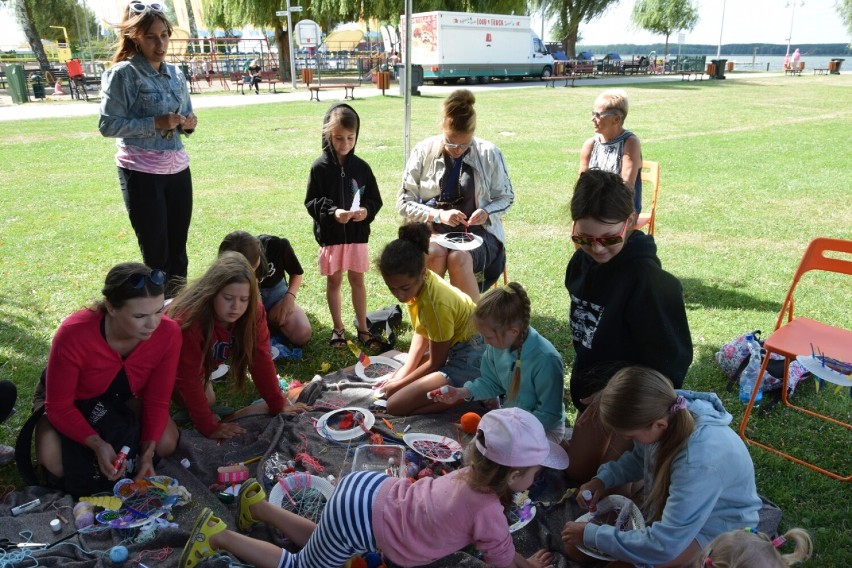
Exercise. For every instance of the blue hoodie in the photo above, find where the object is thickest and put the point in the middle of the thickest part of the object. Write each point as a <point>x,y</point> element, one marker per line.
<point>712,489</point>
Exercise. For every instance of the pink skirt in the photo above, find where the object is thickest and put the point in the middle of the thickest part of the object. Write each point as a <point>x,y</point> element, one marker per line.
<point>335,258</point>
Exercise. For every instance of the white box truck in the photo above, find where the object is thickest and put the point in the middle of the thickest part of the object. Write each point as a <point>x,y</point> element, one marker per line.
<point>476,47</point>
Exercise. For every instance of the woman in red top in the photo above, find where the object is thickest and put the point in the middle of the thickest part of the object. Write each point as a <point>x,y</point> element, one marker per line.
<point>222,319</point>
<point>121,347</point>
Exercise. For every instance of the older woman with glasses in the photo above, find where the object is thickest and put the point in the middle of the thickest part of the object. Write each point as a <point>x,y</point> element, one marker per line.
<point>111,366</point>
<point>461,185</point>
<point>145,106</point>
<point>612,148</point>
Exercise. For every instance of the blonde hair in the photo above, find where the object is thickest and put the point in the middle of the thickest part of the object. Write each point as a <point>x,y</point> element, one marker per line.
<point>634,399</point>
<point>614,99</point>
<point>504,307</point>
<point>132,27</point>
<point>486,476</point>
<point>458,113</point>
<point>194,305</point>
<point>749,549</point>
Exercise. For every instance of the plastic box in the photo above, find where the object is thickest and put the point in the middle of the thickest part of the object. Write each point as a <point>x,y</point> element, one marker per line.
<point>389,458</point>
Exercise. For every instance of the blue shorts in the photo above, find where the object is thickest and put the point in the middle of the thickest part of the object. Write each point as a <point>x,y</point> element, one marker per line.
<point>271,296</point>
<point>463,361</point>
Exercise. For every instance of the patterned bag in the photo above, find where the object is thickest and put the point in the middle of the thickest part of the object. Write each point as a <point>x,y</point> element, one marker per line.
<point>733,357</point>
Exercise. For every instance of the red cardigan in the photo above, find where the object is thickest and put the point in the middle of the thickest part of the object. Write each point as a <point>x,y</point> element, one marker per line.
<point>82,365</point>
<point>190,373</point>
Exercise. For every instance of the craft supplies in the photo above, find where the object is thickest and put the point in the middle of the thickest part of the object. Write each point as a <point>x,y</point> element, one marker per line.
<point>236,473</point>
<point>185,463</point>
<point>434,447</point>
<point>84,514</point>
<point>378,370</point>
<point>303,494</point>
<point>362,356</point>
<point>56,525</point>
<point>385,457</point>
<point>587,497</point>
<point>345,423</point>
<point>431,395</point>
<point>118,554</point>
<point>470,422</point>
<point>25,507</point>
<point>120,458</point>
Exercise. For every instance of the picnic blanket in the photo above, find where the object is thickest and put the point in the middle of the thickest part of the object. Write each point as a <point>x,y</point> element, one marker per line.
<point>287,435</point>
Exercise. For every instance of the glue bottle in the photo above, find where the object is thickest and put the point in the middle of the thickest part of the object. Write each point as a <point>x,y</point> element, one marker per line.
<point>587,497</point>
<point>748,378</point>
<point>120,458</point>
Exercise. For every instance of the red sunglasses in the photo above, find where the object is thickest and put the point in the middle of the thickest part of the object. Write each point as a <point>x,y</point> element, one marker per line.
<point>588,240</point>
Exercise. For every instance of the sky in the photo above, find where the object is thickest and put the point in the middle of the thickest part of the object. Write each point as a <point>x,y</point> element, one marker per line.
<point>745,21</point>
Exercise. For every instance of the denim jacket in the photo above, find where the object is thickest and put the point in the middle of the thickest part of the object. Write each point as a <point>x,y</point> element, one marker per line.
<point>133,94</point>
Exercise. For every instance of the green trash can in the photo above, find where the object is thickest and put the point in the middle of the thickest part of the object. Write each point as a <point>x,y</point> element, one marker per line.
<point>17,83</point>
<point>37,81</point>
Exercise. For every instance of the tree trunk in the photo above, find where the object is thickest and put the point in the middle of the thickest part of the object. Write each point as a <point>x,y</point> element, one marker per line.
<point>24,17</point>
<point>283,53</point>
<point>190,16</point>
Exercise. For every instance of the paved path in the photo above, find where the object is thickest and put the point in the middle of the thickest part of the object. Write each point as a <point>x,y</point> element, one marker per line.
<point>65,107</point>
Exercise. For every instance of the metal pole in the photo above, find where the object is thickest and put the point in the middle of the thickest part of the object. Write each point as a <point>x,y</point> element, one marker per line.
<point>88,33</point>
<point>290,45</point>
<point>407,135</point>
<point>721,28</point>
<point>790,36</point>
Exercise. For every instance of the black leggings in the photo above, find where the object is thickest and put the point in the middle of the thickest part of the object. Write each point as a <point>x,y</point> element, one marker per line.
<point>160,210</point>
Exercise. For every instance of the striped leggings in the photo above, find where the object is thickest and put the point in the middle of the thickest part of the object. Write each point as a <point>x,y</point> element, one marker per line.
<point>345,527</point>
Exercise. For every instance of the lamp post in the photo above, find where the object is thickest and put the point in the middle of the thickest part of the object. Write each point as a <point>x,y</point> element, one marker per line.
<point>792,17</point>
<point>721,29</point>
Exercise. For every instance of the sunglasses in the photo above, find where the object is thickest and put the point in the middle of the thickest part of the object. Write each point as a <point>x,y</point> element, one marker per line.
<point>449,146</point>
<point>137,280</point>
<point>143,6</point>
<point>587,240</point>
<point>600,115</point>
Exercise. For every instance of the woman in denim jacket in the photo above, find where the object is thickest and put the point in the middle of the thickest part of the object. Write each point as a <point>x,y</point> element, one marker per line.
<point>145,106</point>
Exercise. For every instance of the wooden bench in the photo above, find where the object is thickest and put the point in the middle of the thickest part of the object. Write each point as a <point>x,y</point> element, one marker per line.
<point>820,70</point>
<point>348,91</point>
<point>797,70</point>
<point>688,75</point>
<point>271,79</point>
<point>551,81</point>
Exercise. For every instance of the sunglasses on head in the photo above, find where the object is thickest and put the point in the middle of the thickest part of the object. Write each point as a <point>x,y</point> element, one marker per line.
<point>143,6</point>
<point>137,279</point>
<point>588,240</point>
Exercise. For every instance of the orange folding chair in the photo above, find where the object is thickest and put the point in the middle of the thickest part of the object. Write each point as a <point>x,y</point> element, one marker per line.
<point>650,180</point>
<point>799,335</point>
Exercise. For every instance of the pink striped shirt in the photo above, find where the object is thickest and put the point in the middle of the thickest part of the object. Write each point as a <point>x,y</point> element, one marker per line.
<point>152,161</point>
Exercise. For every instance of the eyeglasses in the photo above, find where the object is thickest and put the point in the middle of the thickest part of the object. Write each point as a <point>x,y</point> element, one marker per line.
<point>588,240</point>
<point>143,6</point>
<point>137,279</point>
<point>449,146</point>
<point>600,115</point>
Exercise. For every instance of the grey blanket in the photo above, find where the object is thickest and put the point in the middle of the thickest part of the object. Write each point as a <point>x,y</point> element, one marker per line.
<point>288,436</point>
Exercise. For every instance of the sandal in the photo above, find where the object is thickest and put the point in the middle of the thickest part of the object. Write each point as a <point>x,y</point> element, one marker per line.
<point>371,342</point>
<point>245,520</point>
<point>338,338</point>
<point>198,547</point>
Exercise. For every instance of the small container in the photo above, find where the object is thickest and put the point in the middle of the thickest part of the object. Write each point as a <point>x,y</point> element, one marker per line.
<point>389,458</point>
<point>120,458</point>
<point>232,473</point>
<point>185,463</point>
<point>55,525</point>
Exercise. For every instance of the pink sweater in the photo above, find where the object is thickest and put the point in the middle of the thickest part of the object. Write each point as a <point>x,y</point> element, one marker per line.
<point>418,523</point>
<point>190,373</point>
<point>82,365</point>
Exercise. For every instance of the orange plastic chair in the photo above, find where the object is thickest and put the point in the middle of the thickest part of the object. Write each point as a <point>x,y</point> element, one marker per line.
<point>797,334</point>
<point>650,179</point>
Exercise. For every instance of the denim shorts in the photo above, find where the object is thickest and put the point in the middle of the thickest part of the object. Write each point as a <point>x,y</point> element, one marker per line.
<point>463,361</point>
<point>271,296</point>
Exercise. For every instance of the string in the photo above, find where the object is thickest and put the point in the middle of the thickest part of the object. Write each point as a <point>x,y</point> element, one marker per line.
<point>305,458</point>
<point>158,555</point>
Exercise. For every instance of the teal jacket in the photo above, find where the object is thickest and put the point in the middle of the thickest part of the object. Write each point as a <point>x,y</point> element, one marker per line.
<point>542,389</point>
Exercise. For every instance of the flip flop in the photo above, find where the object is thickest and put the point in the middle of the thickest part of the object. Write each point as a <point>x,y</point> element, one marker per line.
<point>198,547</point>
<point>245,520</point>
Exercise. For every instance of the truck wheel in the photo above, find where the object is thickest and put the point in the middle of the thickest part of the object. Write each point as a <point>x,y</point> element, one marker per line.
<point>547,72</point>
<point>485,80</point>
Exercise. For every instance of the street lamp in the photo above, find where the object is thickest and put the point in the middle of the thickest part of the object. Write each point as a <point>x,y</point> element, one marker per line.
<point>721,28</point>
<point>792,17</point>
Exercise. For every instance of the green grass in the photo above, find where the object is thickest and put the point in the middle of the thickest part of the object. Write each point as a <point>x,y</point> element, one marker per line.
<point>752,170</point>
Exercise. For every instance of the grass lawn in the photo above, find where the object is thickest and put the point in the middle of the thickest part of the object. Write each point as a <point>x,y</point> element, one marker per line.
<point>752,170</point>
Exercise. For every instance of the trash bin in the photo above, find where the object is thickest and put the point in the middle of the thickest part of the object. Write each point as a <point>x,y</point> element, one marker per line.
<point>17,83</point>
<point>383,80</point>
<point>834,65</point>
<point>719,67</point>
<point>37,81</point>
<point>416,79</point>
<point>729,67</point>
<point>307,76</point>
<point>711,70</point>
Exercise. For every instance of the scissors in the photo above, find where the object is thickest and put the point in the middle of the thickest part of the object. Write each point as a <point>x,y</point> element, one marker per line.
<point>6,544</point>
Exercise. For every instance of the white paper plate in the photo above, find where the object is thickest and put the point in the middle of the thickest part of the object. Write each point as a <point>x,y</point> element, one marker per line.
<point>331,433</point>
<point>273,352</point>
<point>453,446</point>
<point>522,523</point>
<point>815,366</point>
<point>295,482</point>
<point>459,241</point>
<point>220,372</point>
<point>362,371</point>
<point>605,505</point>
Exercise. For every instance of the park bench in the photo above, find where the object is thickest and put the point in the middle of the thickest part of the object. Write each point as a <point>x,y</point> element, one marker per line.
<point>551,81</point>
<point>820,70</point>
<point>689,75</point>
<point>797,70</point>
<point>242,80</point>
<point>348,91</point>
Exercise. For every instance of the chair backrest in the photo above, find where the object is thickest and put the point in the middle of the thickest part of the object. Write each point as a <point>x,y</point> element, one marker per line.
<point>816,259</point>
<point>651,179</point>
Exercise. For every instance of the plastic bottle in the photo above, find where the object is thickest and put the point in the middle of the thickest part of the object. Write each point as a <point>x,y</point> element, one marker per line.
<point>120,458</point>
<point>748,378</point>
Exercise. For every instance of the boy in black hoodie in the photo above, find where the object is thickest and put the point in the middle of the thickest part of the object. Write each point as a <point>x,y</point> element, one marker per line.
<point>343,198</point>
<point>625,309</point>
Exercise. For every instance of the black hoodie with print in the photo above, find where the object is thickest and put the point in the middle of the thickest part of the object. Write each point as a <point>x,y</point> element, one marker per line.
<point>332,186</point>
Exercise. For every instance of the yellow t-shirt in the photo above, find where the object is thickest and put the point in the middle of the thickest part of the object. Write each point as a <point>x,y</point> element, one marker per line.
<point>442,312</point>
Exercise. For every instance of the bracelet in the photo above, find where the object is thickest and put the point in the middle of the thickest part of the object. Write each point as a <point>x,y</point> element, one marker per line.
<point>437,218</point>
<point>291,293</point>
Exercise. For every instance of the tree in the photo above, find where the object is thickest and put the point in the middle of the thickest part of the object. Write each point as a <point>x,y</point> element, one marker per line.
<point>570,14</point>
<point>665,17</point>
<point>66,13</point>
<point>24,16</point>
<point>844,8</point>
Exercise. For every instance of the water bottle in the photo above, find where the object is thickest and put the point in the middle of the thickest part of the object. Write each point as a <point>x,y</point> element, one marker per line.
<point>748,378</point>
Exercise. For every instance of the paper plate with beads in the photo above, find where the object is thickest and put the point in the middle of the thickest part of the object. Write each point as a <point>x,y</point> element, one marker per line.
<point>434,447</point>
<point>345,423</point>
<point>615,510</point>
<point>378,371</point>
<point>302,493</point>
<point>459,241</point>
<point>520,515</point>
